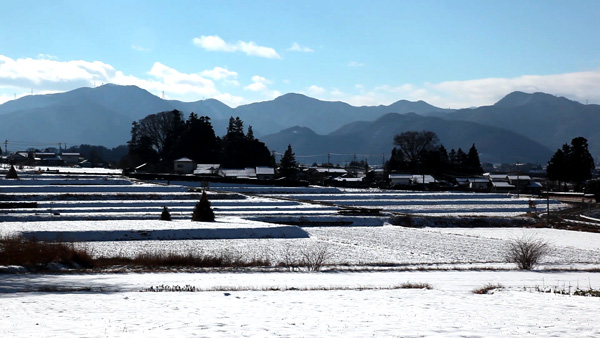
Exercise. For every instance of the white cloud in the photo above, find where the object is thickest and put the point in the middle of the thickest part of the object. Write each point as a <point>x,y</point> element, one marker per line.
<point>355,64</point>
<point>316,90</point>
<point>222,74</point>
<point>47,57</point>
<point>579,86</point>
<point>297,48</point>
<point>214,43</point>
<point>259,84</point>
<point>20,76</point>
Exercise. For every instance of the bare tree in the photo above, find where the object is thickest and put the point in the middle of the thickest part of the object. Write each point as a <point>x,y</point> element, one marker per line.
<point>526,251</point>
<point>413,144</point>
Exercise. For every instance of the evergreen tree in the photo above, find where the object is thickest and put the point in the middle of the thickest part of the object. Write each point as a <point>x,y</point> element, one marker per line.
<point>12,173</point>
<point>572,163</point>
<point>203,211</point>
<point>557,169</point>
<point>165,215</point>
<point>288,165</point>
<point>581,161</point>
<point>473,165</point>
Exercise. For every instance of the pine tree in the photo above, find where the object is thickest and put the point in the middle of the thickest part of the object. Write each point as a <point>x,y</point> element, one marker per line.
<point>203,211</point>
<point>165,215</point>
<point>12,173</point>
<point>288,165</point>
<point>473,165</point>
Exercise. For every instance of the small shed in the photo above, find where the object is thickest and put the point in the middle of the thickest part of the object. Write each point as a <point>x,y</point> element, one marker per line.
<point>184,165</point>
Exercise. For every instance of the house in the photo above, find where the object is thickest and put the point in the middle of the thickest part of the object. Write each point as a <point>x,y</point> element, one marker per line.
<point>478,184</point>
<point>400,179</point>
<point>347,181</point>
<point>246,173</point>
<point>184,165</point>
<point>207,169</point>
<point>423,179</point>
<point>49,159</point>
<point>70,158</point>
<point>502,186</point>
<point>265,173</point>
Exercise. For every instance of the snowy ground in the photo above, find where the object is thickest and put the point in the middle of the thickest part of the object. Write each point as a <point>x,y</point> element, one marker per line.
<point>109,215</point>
<point>116,308</point>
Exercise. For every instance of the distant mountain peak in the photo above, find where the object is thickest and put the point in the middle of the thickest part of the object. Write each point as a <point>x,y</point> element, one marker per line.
<point>518,98</point>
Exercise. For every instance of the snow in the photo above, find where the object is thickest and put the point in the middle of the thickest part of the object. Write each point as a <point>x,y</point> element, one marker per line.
<point>449,310</point>
<point>355,295</point>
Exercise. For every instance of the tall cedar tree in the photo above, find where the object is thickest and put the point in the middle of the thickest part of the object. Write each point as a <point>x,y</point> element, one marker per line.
<point>203,211</point>
<point>473,165</point>
<point>288,167</point>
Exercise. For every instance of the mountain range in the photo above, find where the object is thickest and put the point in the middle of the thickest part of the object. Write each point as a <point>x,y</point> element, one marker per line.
<point>520,127</point>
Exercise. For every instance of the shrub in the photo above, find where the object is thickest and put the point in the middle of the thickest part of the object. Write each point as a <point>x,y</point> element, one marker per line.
<point>203,211</point>
<point>410,285</point>
<point>526,251</point>
<point>165,215</point>
<point>488,288</point>
<point>12,173</point>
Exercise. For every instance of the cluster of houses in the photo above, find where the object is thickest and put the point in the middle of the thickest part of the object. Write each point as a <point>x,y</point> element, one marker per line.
<point>21,158</point>
<point>186,166</point>
<point>502,183</point>
<point>348,177</point>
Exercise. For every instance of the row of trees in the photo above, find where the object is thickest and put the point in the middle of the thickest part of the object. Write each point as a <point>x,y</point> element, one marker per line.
<point>571,163</point>
<point>422,152</point>
<point>163,137</point>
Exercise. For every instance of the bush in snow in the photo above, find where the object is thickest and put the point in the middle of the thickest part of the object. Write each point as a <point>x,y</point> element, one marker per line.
<point>165,215</point>
<point>203,211</point>
<point>12,173</point>
<point>526,251</point>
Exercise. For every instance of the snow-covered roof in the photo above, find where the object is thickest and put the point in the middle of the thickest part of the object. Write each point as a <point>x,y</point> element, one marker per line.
<point>184,159</point>
<point>348,179</point>
<point>478,180</point>
<point>330,170</point>
<point>265,171</point>
<point>206,169</point>
<point>502,185</point>
<point>420,178</point>
<point>519,178</point>
<point>69,154</point>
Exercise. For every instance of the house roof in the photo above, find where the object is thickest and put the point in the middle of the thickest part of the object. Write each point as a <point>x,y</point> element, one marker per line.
<point>184,159</point>
<point>206,169</point>
<point>401,176</point>
<point>519,178</point>
<point>69,154</point>
<point>478,180</point>
<point>265,171</point>
<point>502,185</point>
<point>420,178</point>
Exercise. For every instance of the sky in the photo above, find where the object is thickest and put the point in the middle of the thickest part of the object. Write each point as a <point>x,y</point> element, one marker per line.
<point>452,54</point>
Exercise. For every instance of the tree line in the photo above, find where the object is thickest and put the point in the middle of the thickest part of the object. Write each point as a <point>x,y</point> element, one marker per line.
<point>158,139</point>
<point>420,152</point>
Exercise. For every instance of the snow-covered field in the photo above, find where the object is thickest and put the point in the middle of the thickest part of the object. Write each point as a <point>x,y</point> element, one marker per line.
<point>110,215</point>
<point>324,304</point>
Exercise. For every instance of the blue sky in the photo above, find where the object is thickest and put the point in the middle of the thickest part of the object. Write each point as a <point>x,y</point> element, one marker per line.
<point>449,53</point>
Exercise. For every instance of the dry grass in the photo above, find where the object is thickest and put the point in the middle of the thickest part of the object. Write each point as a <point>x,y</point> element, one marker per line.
<point>37,255</point>
<point>40,256</point>
<point>488,288</point>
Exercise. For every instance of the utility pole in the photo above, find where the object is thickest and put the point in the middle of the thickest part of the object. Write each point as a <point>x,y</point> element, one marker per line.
<point>6,146</point>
